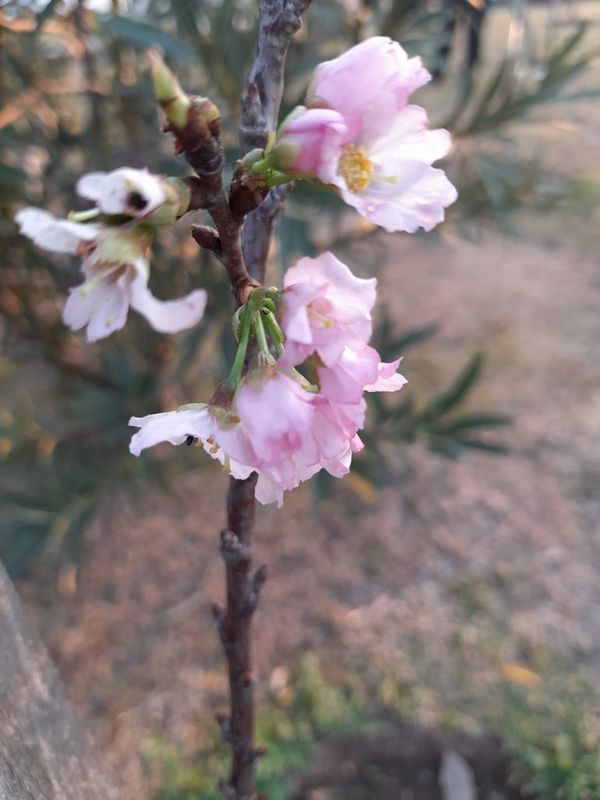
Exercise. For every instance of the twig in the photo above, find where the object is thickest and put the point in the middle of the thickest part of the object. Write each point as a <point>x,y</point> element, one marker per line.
<point>278,21</point>
<point>247,210</point>
<point>235,631</point>
<point>199,139</point>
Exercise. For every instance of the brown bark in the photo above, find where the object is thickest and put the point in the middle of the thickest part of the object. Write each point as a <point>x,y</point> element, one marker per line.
<point>44,754</point>
<point>234,622</point>
<point>240,239</point>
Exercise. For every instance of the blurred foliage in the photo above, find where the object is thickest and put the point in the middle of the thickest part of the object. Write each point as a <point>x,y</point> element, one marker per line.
<point>303,707</point>
<point>547,721</point>
<point>75,96</point>
<point>555,737</point>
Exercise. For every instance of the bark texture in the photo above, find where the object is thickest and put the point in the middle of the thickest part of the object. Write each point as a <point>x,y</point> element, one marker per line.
<point>243,221</point>
<point>44,753</point>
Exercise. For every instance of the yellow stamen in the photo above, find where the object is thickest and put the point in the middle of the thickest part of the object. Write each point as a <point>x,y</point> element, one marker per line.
<point>320,319</point>
<point>355,167</point>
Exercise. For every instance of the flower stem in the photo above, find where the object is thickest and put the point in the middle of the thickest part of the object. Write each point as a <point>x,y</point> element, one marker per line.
<point>240,357</point>
<point>261,338</point>
<point>273,330</point>
<point>83,216</point>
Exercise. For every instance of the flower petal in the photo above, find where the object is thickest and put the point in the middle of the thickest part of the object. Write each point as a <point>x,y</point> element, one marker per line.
<point>370,82</point>
<point>56,235</point>
<point>344,382</point>
<point>410,138</point>
<point>101,303</point>
<point>323,294</point>
<point>167,316</point>
<point>416,198</point>
<point>170,426</point>
<point>388,378</point>
<point>135,192</point>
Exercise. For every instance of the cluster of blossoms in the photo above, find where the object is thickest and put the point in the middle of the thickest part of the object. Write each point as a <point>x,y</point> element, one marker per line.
<point>293,403</point>
<point>284,424</point>
<point>115,247</point>
<point>358,134</point>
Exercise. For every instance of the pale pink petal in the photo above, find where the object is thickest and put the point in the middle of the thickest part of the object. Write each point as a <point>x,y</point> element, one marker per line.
<point>276,412</point>
<point>345,381</point>
<point>167,316</point>
<point>370,83</point>
<point>56,235</point>
<point>310,141</point>
<point>415,198</point>
<point>410,139</point>
<point>339,467</point>
<point>327,320</point>
<point>234,440</point>
<point>101,303</point>
<point>296,299</point>
<point>135,192</point>
<point>268,491</point>
<point>299,344</point>
<point>327,270</point>
<point>177,426</point>
<point>388,378</point>
<point>170,426</point>
<point>357,444</point>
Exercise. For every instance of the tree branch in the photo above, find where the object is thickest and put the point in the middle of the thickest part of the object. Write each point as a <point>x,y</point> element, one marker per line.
<point>199,139</point>
<point>245,210</point>
<point>278,21</point>
<point>235,631</point>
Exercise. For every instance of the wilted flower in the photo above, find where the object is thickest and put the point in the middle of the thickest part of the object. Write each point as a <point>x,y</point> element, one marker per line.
<point>357,133</point>
<point>116,269</point>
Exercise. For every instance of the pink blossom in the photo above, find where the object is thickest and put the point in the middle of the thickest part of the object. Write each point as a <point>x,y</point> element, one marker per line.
<point>274,427</point>
<point>223,441</point>
<point>358,370</point>
<point>310,141</point>
<point>325,307</point>
<point>276,411</point>
<point>116,269</point>
<point>367,141</point>
<point>388,378</point>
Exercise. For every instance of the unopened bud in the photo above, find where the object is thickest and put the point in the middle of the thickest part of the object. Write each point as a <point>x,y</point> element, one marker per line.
<point>207,110</point>
<point>248,161</point>
<point>167,89</point>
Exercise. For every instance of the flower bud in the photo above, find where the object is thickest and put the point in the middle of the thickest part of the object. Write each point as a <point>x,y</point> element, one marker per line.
<point>167,89</point>
<point>307,139</point>
<point>207,110</point>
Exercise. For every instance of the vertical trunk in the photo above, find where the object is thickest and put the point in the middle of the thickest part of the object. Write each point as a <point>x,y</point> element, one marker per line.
<point>44,754</point>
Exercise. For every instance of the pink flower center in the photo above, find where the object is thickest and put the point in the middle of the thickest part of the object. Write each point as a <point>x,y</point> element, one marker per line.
<point>355,167</point>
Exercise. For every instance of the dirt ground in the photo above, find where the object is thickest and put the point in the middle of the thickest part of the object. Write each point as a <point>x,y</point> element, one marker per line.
<point>519,534</point>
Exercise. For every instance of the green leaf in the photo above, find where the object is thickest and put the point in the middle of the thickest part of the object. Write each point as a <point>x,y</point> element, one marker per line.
<point>457,391</point>
<point>474,421</point>
<point>144,35</point>
<point>415,336</point>
<point>494,448</point>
